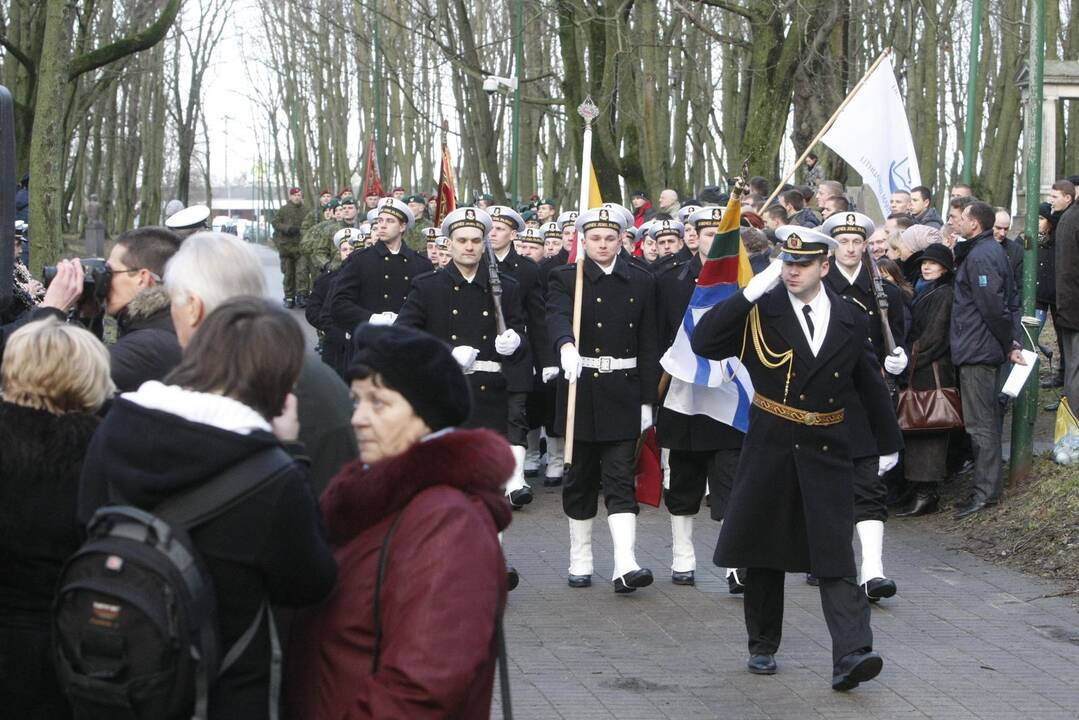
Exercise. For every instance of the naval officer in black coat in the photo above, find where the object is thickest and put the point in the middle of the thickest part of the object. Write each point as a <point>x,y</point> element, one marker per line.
<point>851,280</point>
<point>375,282</point>
<point>792,505</point>
<point>615,363</point>
<point>456,304</point>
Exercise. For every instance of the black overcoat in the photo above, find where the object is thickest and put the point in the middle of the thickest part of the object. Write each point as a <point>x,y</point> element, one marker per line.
<point>526,272</point>
<point>618,318</point>
<point>792,504</point>
<point>374,280</point>
<point>462,313</point>
<point>675,283</point>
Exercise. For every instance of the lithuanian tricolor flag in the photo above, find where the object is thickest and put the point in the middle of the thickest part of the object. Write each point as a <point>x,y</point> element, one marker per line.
<point>720,389</point>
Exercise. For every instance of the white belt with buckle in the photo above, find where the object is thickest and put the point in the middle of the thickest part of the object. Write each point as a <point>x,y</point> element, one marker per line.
<point>606,363</point>
<point>484,366</point>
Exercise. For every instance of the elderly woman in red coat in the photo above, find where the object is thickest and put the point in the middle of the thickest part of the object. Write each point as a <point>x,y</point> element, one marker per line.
<point>432,497</point>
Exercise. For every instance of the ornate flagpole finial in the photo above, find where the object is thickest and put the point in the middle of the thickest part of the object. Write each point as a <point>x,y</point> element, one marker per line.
<point>588,110</point>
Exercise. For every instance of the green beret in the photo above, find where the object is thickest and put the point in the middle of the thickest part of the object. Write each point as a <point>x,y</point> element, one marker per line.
<point>348,200</point>
<point>416,199</point>
<point>333,204</point>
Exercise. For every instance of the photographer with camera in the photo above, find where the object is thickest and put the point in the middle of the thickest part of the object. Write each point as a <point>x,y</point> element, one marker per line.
<point>60,298</point>
<point>147,348</point>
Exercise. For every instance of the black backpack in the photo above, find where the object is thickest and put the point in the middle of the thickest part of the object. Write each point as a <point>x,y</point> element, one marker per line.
<point>135,617</point>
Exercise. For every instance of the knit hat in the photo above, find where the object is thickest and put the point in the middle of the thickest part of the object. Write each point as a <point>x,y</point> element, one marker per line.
<point>417,365</point>
<point>1045,210</point>
<point>918,237</point>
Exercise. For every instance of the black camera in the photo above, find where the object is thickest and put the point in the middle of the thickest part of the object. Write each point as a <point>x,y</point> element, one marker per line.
<point>96,278</point>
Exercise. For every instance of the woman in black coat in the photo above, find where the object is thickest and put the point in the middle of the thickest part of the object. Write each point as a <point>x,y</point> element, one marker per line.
<point>229,399</point>
<point>55,377</point>
<point>927,452</point>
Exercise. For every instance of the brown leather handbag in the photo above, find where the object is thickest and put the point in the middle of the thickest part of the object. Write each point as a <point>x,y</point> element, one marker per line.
<point>929,410</point>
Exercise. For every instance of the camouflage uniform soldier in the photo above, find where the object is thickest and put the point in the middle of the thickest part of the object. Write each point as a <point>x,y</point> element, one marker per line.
<point>317,246</point>
<point>286,238</point>
<point>415,237</point>
<point>319,214</point>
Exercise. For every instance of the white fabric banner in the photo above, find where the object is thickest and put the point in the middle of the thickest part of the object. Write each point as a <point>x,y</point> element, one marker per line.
<point>872,134</point>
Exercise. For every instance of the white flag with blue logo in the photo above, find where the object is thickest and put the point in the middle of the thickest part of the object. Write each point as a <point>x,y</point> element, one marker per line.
<point>872,134</point>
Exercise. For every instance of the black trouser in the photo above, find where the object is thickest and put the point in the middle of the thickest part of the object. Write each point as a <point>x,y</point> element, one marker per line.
<point>691,471</point>
<point>846,611</point>
<point>870,490</point>
<point>609,465</point>
<point>517,428</point>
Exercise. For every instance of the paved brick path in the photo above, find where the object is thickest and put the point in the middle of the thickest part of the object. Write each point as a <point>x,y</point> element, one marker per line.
<point>961,639</point>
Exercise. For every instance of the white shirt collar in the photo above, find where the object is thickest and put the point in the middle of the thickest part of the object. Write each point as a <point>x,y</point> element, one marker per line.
<point>850,277</point>
<point>821,308</point>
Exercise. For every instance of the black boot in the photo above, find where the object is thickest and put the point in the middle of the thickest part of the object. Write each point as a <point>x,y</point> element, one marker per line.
<point>925,502</point>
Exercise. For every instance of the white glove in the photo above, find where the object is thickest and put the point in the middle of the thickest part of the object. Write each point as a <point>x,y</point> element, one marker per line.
<point>896,362</point>
<point>763,281</point>
<point>465,355</point>
<point>383,318</point>
<point>548,374</point>
<point>646,417</point>
<point>571,362</point>
<point>886,463</point>
<point>507,343</point>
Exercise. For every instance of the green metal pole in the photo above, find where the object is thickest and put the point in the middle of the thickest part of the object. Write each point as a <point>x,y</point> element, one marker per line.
<point>1026,406</point>
<point>972,86</point>
<point>378,89</point>
<point>518,69</point>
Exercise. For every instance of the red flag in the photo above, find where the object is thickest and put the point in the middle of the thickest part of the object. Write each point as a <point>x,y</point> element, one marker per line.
<point>372,185</point>
<point>649,474</point>
<point>447,196</point>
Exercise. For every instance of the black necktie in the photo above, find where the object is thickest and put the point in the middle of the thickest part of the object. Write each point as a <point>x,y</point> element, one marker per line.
<point>808,311</point>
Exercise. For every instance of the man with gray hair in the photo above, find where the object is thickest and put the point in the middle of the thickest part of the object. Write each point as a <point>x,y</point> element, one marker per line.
<point>212,267</point>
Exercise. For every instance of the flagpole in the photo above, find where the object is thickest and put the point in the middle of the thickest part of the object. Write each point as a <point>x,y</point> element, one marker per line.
<point>589,112</point>
<point>827,126</point>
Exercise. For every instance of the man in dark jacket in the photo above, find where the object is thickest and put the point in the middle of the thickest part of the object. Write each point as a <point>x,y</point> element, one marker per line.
<point>921,207</point>
<point>147,348</point>
<point>1012,248</point>
<point>985,334</point>
<point>792,505</point>
<point>1067,277</point>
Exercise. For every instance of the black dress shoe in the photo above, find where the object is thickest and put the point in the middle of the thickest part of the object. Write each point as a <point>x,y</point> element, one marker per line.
<point>878,588</point>
<point>1052,407</point>
<point>580,581</point>
<point>975,506</point>
<point>762,664</point>
<point>683,578</point>
<point>855,668</point>
<point>512,578</point>
<point>301,301</point>
<point>552,482</point>
<point>811,579</point>
<point>736,581</point>
<point>289,303</point>
<point>520,498</point>
<point>924,504</point>
<point>639,578</point>
<point>1053,382</point>
<point>532,473</point>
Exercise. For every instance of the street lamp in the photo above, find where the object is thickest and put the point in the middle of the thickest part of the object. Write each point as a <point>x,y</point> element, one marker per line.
<point>496,83</point>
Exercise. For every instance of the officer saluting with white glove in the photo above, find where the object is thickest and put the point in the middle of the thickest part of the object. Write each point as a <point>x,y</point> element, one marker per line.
<point>791,506</point>
<point>615,362</point>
